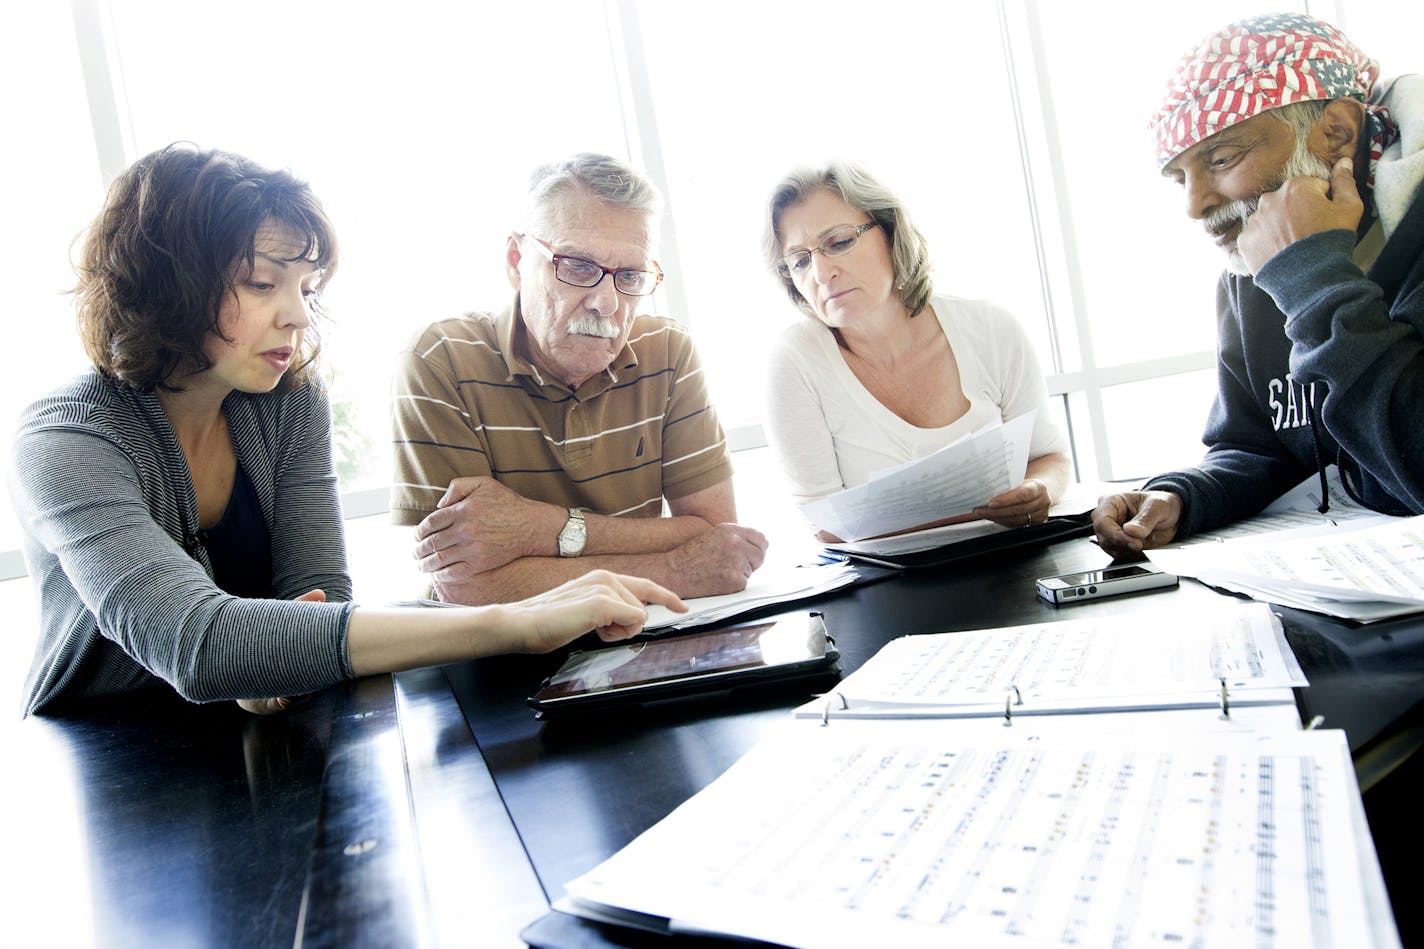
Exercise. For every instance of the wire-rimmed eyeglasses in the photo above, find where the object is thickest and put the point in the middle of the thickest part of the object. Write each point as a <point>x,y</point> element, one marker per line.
<point>578,272</point>
<point>838,242</point>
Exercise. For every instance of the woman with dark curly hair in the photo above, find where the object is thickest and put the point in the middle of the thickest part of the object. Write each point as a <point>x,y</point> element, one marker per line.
<point>178,500</point>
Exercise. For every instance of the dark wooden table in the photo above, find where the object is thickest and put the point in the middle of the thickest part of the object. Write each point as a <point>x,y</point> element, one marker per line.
<point>431,808</point>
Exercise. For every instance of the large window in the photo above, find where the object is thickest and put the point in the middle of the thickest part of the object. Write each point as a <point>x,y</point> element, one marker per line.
<point>918,93</point>
<point>1133,291</point>
<point>417,126</point>
<point>1014,130</point>
<point>50,186</point>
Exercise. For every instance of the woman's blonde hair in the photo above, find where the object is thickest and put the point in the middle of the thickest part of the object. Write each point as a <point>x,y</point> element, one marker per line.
<point>909,255</point>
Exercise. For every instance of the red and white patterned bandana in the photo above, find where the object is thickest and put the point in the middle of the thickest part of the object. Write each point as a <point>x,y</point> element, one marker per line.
<point>1258,64</point>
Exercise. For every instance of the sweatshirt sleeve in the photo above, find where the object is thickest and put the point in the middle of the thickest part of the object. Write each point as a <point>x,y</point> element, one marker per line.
<point>1368,353</point>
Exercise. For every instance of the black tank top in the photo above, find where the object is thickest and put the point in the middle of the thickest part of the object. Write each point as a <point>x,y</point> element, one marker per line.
<point>239,545</point>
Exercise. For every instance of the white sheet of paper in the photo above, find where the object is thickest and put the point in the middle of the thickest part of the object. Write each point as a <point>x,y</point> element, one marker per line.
<point>830,838</point>
<point>1146,659</point>
<point>1297,508</point>
<point>773,583</point>
<point>1362,570</point>
<point>953,480</point>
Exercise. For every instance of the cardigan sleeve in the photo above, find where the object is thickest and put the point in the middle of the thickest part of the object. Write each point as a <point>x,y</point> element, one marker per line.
<point>80,499</point>
<point>1368,351</point>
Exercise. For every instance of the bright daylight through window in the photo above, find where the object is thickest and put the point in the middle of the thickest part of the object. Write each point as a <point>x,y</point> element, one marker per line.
<point>1007,127</point>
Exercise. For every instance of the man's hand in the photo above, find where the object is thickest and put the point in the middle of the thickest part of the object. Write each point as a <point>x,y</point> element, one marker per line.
<point>1299,208</point>
<point>1129,523</point>
<point>716,561</point>
<point>609,603</point>
<point>479,525</point>
<point>1018,507</point>
<point>272,706</point>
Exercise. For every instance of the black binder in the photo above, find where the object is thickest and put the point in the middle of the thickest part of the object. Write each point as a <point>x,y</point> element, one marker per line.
<point>1023,538</point>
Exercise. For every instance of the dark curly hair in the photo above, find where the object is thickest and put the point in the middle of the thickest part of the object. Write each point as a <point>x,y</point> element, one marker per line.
<point>156,263</point>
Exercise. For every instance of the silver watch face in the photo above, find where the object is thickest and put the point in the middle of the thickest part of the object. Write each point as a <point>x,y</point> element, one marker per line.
<point>573,536</point>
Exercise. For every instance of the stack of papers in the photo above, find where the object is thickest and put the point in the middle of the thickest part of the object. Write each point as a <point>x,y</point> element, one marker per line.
<point>772,584</point>
<point>1363,569</point>
<point>845,837</point>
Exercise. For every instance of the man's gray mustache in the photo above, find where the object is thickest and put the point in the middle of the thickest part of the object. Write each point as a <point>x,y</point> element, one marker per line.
<point>593,326</point>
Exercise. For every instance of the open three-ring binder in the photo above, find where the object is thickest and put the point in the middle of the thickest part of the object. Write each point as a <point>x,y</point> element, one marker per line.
<point>1225,658</point>
<point>1139,779</point>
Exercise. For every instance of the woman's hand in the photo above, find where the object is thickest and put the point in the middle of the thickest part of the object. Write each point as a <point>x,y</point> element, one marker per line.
<point>273,706</point>
<point>265,706</point>
<point>1019,507</point>
<point>611,604</point>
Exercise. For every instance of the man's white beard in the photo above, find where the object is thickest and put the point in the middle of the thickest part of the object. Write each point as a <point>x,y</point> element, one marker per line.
<point>1301,164</point>
<point>592,324</point>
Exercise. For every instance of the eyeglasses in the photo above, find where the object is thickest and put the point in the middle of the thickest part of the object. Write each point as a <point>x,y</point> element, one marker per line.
<point>840,241</point>
<point>577,272</point>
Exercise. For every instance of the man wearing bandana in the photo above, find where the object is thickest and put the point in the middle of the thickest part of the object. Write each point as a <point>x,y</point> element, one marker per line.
<point>1306,170</point>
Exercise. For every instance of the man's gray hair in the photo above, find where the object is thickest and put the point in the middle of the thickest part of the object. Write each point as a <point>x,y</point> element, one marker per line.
<point>1300,116</point>
<point>909,255</point>
<point>614,182</point>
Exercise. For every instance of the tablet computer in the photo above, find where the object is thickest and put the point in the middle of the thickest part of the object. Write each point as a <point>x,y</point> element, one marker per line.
<point>781,648</point>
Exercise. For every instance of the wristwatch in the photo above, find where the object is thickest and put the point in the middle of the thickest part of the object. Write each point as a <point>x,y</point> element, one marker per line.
<point>574,535</point>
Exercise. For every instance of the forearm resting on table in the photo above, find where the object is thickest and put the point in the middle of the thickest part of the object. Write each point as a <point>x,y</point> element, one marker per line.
<point>638,535</point>
<point>692,515</point>
<point>694,552</point>
<point>637,546</point>
<point>607,534</point>
<point>530,576</point>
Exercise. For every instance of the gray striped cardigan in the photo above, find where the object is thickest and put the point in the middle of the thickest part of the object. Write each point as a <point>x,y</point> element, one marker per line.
<point>126,595</point>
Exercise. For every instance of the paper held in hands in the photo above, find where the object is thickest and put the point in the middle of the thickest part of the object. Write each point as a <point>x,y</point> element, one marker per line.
<point>953,480</point>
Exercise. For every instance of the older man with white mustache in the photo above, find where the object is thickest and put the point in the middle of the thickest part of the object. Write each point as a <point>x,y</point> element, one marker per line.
<point>541,442</point>
<point>1230,219</point>
<point>1307,172</point>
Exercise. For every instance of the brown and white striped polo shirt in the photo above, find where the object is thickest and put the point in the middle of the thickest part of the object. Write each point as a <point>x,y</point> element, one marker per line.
<point>464,404</point>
